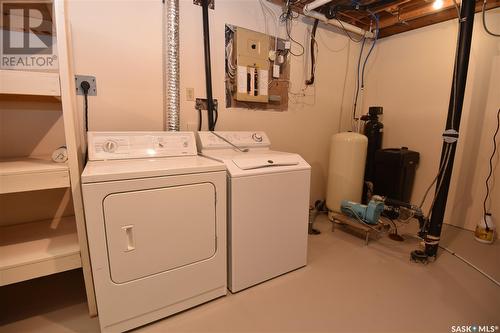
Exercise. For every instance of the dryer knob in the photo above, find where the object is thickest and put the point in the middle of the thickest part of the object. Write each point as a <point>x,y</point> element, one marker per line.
<point>110,146</point>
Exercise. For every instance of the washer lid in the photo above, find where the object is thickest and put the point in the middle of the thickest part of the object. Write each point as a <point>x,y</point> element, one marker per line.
<point>256,162</point>
<point>250,162</point>
<point>101,171</point>
<point>226,140</point>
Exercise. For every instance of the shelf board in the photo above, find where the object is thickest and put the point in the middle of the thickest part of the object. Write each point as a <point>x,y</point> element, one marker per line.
<point>35,249</point>
<point>32,173</point>
<point>29,83</point>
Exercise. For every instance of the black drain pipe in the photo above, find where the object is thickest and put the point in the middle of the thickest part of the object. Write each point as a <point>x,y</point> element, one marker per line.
<point>208,67</point>
<point>462,64</point>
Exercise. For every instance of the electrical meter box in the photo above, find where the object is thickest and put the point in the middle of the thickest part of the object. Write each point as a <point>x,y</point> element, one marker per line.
<point>252,61</point>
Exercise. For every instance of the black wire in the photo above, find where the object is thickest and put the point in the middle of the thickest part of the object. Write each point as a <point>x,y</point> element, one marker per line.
<point>348,34</point>
<point>394,224</point>
<point>484,22</point>
<point>491,170</point>
<point>313,55</point>
<point>287,25</point>
<point>86,107</point>
<point>287,16</point>
<point>357,80</point>
<point>375,38</point>
<point>216,111</point>
<point>200,119</point>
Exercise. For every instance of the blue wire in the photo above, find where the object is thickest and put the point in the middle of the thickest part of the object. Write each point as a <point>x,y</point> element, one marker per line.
<point>371,48</point>
<point>357,79</point>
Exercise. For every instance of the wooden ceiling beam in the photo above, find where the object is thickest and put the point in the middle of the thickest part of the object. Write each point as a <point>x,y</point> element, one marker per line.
<point>408,15</point>
<point>437,17</point>
<point>413,14</point>
<point>353,20</point>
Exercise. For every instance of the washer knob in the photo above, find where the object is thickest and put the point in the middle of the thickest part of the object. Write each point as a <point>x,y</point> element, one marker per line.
<point>110,146</point>
<point>257,137</point>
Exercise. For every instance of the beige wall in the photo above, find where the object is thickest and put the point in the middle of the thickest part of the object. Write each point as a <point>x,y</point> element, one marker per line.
<point>30,125</point>
<point>410,75</point>
<point>121,45</point>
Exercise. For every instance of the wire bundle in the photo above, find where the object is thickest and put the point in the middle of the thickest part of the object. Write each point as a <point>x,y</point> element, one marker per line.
<point>360,79</point>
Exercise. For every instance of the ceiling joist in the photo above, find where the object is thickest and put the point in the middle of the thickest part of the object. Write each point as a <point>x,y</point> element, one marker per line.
<point>395,16</point>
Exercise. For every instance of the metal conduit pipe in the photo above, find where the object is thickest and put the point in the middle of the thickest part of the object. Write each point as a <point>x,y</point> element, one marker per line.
<point>309,10</point>
<point>171,98</point>
<point>212,113</point>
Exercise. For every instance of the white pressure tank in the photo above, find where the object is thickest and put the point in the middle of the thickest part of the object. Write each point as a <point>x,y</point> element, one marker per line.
<point>346,169</point>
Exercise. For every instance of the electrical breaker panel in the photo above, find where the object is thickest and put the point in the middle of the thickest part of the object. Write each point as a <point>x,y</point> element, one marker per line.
<point>252,60</point>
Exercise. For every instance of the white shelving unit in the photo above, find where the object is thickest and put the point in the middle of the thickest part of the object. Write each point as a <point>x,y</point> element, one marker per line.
<point>31,174</point>
<point>40,248</point>
<point>29,83</point>
<point>35,249</point>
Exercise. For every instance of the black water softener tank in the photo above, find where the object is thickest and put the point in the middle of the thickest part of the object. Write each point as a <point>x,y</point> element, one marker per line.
<point>373,130</point>
<point>395,172</point>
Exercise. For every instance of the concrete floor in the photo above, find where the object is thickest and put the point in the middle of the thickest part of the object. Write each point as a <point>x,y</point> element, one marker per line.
<point>346,287</point>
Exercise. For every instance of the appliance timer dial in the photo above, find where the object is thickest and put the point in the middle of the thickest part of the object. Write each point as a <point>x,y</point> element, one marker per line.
<point>257,137</point>
<point>110,146</point>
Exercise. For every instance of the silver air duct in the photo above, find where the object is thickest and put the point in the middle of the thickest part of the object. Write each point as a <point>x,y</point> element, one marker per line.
<point>171,96</point>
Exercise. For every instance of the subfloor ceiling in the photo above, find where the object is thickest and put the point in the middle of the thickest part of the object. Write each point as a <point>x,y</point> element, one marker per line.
<point>395,16</point>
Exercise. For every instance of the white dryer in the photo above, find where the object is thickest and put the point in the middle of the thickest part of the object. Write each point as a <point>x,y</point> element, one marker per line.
<point>268,206</point>
<point>156,224</point>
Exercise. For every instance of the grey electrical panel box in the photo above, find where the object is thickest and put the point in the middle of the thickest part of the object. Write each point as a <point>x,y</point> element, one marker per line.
<point>252,61</point>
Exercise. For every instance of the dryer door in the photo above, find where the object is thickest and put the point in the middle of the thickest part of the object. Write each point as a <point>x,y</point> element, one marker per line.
<point>157,230</point>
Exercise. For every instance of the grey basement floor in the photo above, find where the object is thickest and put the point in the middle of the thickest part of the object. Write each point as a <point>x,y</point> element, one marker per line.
<point>346,287</point>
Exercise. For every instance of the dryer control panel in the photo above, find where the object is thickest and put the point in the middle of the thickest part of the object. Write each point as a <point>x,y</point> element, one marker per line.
<point>125,145</point>
<point>209,140</point>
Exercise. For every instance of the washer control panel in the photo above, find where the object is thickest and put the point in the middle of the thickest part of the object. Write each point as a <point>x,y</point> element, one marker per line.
<point>125,145</point>
<point>257,139</point>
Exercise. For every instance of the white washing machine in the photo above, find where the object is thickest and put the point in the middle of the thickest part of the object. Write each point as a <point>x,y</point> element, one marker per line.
<point>268,206</point>
<point>156,224</point>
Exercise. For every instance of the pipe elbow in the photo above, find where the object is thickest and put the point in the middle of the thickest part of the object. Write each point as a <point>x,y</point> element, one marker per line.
<point>306,11</point>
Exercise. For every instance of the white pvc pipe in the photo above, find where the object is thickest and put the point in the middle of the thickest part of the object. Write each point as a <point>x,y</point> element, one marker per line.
<point>315,4</point>
<point>309,11</point>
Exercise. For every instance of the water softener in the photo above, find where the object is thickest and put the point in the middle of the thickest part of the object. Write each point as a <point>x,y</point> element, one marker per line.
<point>374,131</point>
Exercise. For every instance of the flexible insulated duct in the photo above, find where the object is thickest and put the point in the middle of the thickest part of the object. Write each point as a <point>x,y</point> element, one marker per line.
<point>171,98</point>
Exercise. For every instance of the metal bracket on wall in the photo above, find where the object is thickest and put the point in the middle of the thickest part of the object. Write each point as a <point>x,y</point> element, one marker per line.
<point>211,3</point>
<point>201,104</point>
<point>90,79</point>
